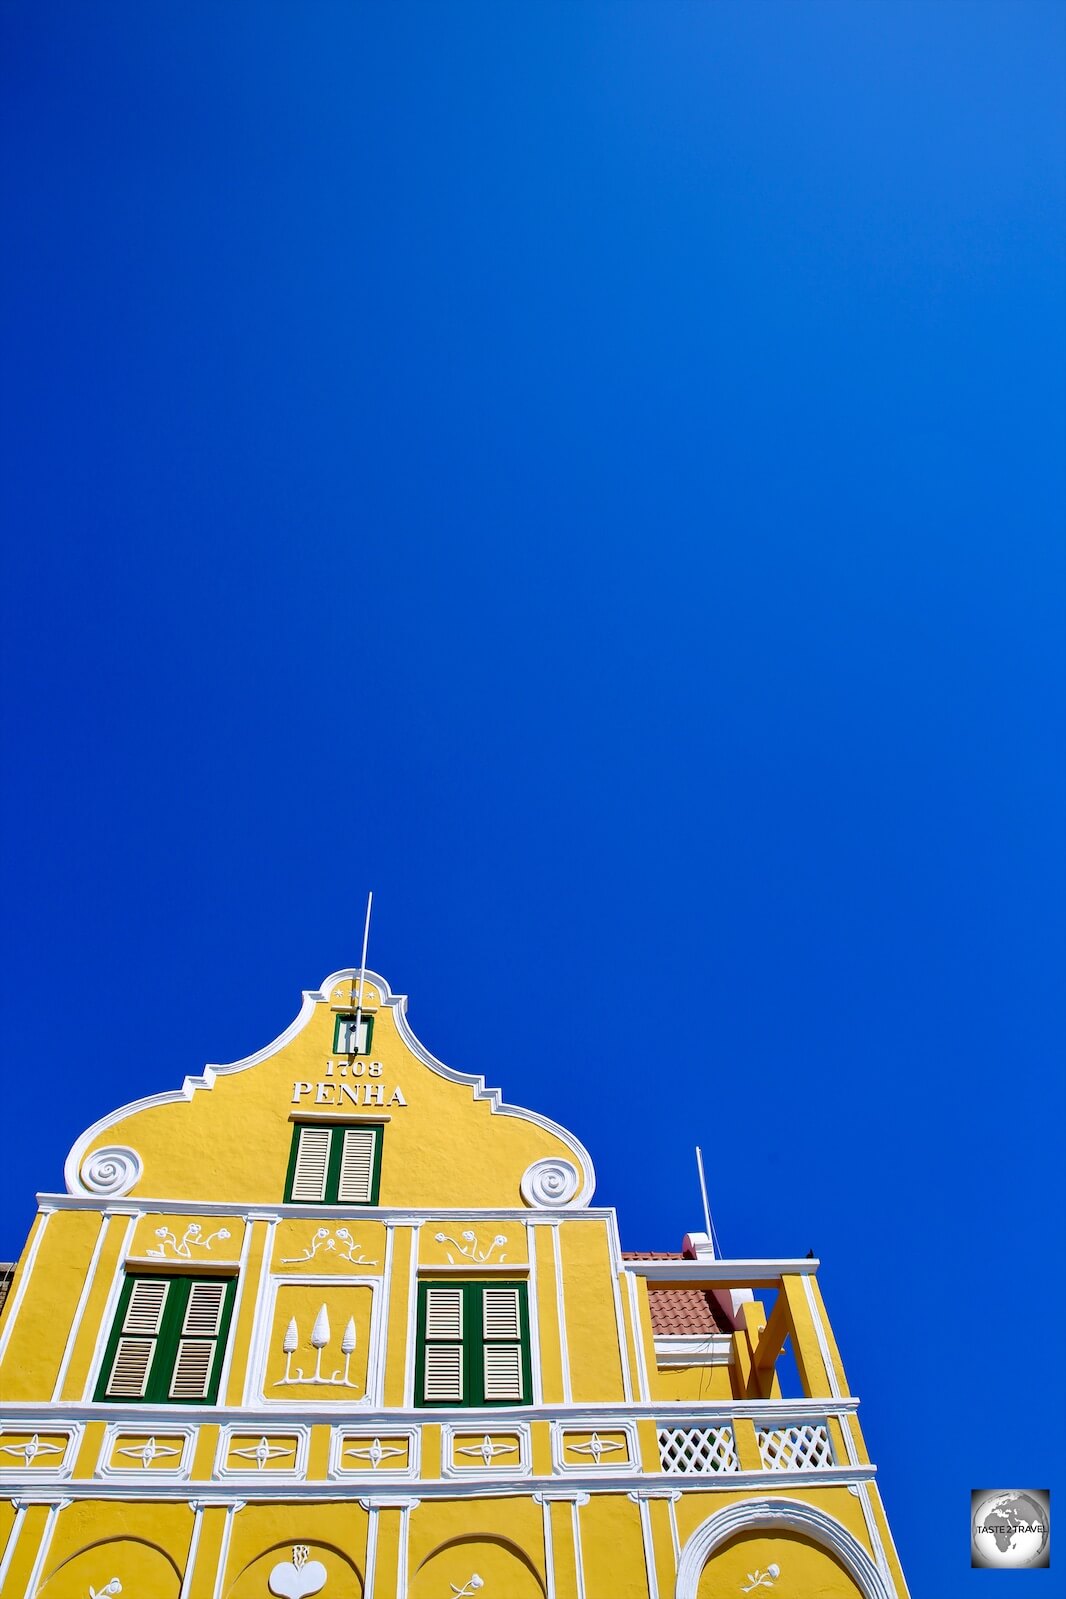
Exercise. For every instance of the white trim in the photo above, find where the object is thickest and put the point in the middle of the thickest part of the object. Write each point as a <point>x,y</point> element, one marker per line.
<point>383,1317</point>
<point>607,1467</point>
<point>549,1548</point>
<point>223,1552</point>
<point>473,1270</point>
<point>260,1333</point>
<point>412,1318</point>
<point>533,1312</point>
<point>788,1515</point>
<point>194,1544</point>
<point>79,1312</point>
<point>107,1318</point>
<point>45,1544</point>
<point>620,1334</point>
<point>371,1563</point>
<point>638,1338</point>
<point>641,1501</point>
<point>560,1306</point>
<point>823,1342</point>
<point>397,1003</point>
<point>14,1534</point>
<point>341,1437</point>
<point>403,1576</point>
<point>131,1473</point>
<point>700,1273</point>
<point>579,1559</point>
<point>670,1412</point>
<point>518,1467</point>
<point>702,1349</point>
<point>44,1210</point>
<point>235,1314</point>
<point>158,1206</point>
<point>483,1485</point>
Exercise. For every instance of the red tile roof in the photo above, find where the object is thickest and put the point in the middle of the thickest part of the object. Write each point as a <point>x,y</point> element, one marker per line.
<point>679,1312</point>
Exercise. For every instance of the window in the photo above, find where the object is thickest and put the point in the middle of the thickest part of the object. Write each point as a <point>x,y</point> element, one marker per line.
<point>334,1165</point>
<point>473,1344</point>
<point>350,1039</point>
<point>168,1340</point>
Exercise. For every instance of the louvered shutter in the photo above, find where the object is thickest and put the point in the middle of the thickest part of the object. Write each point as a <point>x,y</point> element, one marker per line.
<point>199,1336</point>
<point>312,1164</point>
<point>136,1346</point>
<point>443,1378</point>
<point>357,1165</point>
<point>501,1327</point>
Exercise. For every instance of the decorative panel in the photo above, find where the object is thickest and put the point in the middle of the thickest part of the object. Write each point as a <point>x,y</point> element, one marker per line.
<point>499,1451</point>
<point>481,1244</point>
<point>372,1454</point>
<point>343,1248</point>
<point>28,1450</point>
<point>319,1343</point>
<point>594,1449</point>
<point>133,1452</point>
<point>188,1240</point>
<point>276,1452</point>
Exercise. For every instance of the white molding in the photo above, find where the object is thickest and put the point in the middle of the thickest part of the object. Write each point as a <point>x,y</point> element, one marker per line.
<point>607,1467</point>
<point>378,1398</point>
<point>107,1317</point>
<point>519,1467</point>
<point>638,1340</point>
<point>620,1334</point>
<point>252,1473</point>
<point>130,1474</point>
<point>44,1210</point>
<point>641,1501</point>
<point>263,1489</point>
<point>13,1537</point>
<point>194,1544</point>
<point>45,1544</point>
<point>259,1332</point>
<point>788,1515</point>
<point>340,1438</point>
<point>473,1270</point>
<point>371,1562</point>
<point>397,1003</point>
<point>560,1307</point>
<point>579,1559</point>
<point>672,1412</point>
<point>235,1313</point>
<point>712,1349</point>
<point>223,1553</point>
<point>705,1273</point>
<point>533,1312</point>
<point>412,1315</point>
<point>79,1312</point>
<point>823,1342</point>
<point>549,1549</point>
<point>151,1205</point>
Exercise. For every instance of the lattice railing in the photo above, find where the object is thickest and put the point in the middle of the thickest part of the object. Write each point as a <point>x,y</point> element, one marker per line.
<point>803,1447</point>
<point>697,1451</point>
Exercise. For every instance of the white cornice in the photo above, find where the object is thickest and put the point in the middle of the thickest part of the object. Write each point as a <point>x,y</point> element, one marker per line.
<point>486,1486</point>
<point>136,1206</point>
<point>694,1273</point>
<point>397,1003</point>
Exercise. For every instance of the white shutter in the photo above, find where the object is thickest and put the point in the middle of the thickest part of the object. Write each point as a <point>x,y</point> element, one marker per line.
<point>444,1313</point>
<point>500,1312</point>
<point>144,1313</point>
<point>503,1371</point>
<point>350,1040</point>
<point>312,1163</point>
<point>357,1165</point>
<point>203,1314</point>
<point>129,1374</point>
<point>192,1368</point>
<point>444,1372</point>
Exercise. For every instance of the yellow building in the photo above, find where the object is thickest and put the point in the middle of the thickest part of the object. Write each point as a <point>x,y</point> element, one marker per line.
<point>337,1320</point>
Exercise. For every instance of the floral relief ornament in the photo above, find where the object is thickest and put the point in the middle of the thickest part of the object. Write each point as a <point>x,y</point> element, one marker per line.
<point>762,1579</point>
<point>106,1592</point>
<point>342,1244</point>
<point>471,1585</point>
<point>190,1240</point>
<point>468,1248</point>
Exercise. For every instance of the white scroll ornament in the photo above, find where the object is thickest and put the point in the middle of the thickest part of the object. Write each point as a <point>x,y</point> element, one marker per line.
<point>550,1183</point>
<point>111,1171</point>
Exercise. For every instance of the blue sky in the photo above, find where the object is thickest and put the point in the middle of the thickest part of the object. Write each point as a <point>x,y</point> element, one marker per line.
<point>592,474</point>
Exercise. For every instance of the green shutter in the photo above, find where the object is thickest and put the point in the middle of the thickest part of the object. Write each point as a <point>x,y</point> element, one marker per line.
<point>338,1165</point>
<point>472,1344</point>
<point>168,1340</point>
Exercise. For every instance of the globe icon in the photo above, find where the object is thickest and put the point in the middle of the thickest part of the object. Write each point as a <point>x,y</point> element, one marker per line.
<point>1010,1530</point>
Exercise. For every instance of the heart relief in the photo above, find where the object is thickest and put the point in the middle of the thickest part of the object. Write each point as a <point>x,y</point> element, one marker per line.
<point>289,1581</point>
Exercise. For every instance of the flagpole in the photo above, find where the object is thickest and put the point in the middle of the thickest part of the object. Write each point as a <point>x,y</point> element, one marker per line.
<point>362,971</point>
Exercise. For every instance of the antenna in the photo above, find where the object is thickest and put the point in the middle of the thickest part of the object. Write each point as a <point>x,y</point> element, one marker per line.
<point>362,971</point>
<point>706,1207</point>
